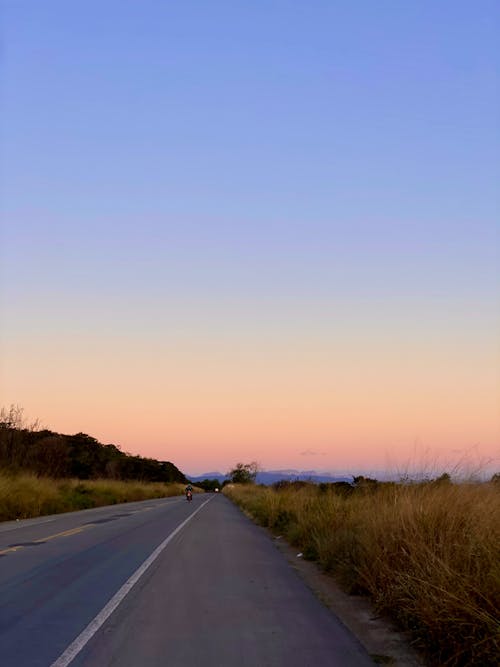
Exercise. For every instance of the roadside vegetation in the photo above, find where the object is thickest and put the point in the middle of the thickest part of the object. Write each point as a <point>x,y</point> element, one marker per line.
<point>26,496</point>
<point>426,553</point>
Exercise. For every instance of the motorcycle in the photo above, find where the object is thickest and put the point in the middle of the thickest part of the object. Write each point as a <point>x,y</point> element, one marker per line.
<point>189,496</point>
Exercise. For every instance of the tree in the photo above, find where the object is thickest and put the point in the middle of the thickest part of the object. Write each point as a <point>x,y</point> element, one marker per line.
<point>13,418</point>
<point>365,483</point>
<point>444,479</point>
<point>244,473</point>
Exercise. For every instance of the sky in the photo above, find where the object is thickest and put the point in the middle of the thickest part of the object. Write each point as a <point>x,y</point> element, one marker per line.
<point>268,230</point>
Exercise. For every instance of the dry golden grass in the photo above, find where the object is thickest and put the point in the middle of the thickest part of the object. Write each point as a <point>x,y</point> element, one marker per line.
<point>26,496</point>
<point>427,554</point>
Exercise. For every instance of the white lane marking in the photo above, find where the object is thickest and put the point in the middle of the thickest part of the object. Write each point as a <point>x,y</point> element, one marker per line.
<point>86,635</point>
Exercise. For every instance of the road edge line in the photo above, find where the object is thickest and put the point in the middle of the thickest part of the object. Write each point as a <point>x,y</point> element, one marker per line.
<point>86,635</point>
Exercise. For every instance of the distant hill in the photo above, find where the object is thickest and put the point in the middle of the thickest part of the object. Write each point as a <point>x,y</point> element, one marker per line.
<point>207,475</point>
<point>50,454</point>
<point>269,477</point>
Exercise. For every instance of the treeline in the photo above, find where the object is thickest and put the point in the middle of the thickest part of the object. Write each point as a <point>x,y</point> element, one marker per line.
<point>209,484</point>
<point>25,448</point>
<point>363,484</point>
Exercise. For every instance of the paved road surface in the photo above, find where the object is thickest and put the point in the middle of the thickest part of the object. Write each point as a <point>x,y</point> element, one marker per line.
<point>216,592</point>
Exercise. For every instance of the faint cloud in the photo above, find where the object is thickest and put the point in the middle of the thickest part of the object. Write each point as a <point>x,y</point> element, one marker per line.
<point>311,452</point>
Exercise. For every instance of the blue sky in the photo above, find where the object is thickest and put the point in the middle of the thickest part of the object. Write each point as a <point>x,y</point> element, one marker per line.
<point>250,166</point>
<point>199,141</point>
<point>270,110</point>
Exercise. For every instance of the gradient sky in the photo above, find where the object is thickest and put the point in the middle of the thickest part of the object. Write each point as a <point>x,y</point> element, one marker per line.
<point>263,230</point>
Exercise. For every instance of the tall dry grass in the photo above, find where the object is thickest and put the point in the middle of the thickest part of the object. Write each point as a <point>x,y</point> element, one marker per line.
<point>427,554</point>
<point>27,496</point>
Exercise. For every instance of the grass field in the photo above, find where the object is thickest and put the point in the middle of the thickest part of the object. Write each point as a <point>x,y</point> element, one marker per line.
<point>26,496</point>
<point>428,555</point>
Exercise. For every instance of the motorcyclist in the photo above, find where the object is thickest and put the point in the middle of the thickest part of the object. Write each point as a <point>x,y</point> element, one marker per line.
<point>189,490</point>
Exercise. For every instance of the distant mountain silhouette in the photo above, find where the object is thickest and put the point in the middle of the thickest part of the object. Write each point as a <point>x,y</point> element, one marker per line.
<point>207,475</point>
<point>269,477</point>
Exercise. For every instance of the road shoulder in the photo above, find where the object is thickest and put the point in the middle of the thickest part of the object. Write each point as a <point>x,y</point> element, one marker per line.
<point>379,637</point>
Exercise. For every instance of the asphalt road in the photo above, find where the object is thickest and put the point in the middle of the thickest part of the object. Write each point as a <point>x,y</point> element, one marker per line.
<point>159,583</point>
